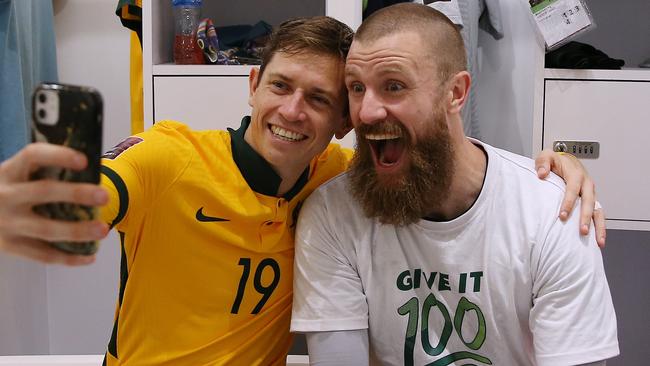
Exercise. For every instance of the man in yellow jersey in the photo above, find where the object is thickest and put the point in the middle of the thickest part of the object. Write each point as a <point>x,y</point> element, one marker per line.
<point>207,219</point>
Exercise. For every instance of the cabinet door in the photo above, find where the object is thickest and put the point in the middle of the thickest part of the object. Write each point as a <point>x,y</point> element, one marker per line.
<point>201,102</point>
<point>615,114</point>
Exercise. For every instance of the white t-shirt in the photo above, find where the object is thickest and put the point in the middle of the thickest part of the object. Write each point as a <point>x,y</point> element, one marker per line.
<point>506,283</point>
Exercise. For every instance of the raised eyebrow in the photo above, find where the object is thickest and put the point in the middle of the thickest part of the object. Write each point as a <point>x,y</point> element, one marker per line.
<point>350,70</point>
<point>392,70</point>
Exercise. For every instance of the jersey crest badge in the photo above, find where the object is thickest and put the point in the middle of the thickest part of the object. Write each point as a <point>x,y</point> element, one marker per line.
<point>122,147</point>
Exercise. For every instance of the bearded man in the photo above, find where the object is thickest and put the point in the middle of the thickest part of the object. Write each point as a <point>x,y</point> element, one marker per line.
<point>438,249</point>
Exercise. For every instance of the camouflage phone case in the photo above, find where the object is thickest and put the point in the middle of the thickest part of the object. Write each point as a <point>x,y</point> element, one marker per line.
<point>75,121</point>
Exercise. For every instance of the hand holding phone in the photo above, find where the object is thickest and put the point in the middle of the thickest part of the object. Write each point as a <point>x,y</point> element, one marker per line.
<point>70,116</point>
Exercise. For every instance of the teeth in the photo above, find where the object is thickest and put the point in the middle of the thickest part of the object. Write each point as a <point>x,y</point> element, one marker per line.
<point>382,136</point>
<point>286,134</point>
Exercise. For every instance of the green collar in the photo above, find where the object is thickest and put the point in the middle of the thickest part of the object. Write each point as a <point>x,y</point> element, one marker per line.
<point>257,172</point>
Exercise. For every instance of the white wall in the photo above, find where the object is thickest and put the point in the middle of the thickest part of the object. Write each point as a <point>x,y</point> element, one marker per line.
<point>23,307</point>
<point>49,309</point>
<point>631,39</point>
<point>93,50</point>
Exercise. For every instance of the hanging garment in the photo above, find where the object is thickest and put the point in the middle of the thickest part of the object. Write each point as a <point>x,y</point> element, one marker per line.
<point>577,55</point>
<point>27,57</point>
<point>130,14</point>
<point>486,15</point>
<point>472,15</point>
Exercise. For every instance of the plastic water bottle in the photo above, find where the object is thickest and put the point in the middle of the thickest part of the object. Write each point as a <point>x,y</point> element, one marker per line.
<point>187,14</point>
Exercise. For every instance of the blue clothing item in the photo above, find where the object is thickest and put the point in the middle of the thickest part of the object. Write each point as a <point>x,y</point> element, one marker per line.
<point>27,57</point>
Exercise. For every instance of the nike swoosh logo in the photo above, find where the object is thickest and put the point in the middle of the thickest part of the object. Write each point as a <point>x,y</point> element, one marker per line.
<point>203,218</point>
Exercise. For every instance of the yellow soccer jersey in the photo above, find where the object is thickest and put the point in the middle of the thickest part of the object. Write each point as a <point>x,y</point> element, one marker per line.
<point>207,250</point>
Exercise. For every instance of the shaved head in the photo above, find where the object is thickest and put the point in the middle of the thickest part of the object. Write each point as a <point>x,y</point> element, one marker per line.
<point>437,33</point>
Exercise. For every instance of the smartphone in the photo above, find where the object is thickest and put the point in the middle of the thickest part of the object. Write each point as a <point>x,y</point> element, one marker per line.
<point>69,115</point>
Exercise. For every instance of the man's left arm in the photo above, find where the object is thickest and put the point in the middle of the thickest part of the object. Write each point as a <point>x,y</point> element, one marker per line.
<point>572,318</point>
<point>578,184</point>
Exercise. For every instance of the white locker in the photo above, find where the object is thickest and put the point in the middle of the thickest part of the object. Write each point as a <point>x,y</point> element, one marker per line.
<point>610,108</point>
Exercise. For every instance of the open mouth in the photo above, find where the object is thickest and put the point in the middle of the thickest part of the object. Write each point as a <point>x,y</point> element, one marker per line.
<point>286,135</point>
<point>387,148</point>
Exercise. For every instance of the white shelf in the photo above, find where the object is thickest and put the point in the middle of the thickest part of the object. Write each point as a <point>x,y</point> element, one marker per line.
<point>592,74</point>
<point>201,70</point>
<point>223,83</point>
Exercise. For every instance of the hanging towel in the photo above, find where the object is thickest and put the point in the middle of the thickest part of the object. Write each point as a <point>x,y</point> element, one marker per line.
<point>27,57</point>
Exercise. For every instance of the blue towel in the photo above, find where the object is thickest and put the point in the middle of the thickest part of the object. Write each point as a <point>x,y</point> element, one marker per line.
<point>27,57</point>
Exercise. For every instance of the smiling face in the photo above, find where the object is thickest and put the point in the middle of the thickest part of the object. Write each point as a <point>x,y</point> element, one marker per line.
<point>403,163</point>
<point>298,104</point>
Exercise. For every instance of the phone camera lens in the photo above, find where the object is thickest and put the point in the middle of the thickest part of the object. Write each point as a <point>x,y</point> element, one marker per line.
<point>41,113</point>
<point>42,98</point>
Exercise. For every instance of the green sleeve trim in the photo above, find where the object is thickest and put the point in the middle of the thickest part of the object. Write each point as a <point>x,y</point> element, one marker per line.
<point>122,192</point>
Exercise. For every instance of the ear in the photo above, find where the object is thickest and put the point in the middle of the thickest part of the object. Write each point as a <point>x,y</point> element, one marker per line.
<point>346,126</point>
<point>458,91</point>
<point>253,83</point>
